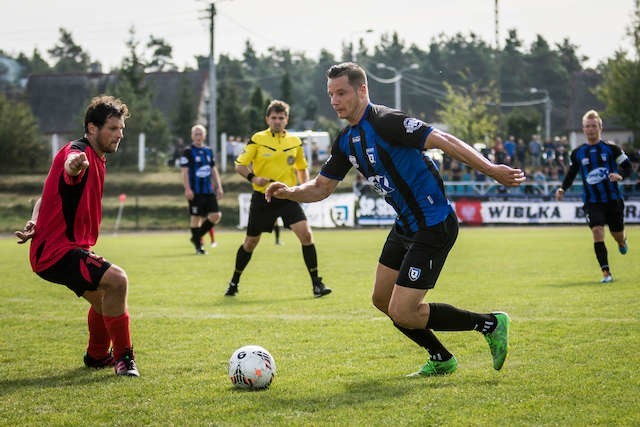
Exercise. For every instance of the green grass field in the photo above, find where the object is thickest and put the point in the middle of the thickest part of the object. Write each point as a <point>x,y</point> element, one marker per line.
<point>574,359</point>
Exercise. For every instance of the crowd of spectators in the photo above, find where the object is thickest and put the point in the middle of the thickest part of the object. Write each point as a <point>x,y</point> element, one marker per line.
<point>541,161</point>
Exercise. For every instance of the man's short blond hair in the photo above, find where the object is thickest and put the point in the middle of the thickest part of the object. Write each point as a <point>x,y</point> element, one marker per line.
<point>592,114</point>
<point>201,127</point>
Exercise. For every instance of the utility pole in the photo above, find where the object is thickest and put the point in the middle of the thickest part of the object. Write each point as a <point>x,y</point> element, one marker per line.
<point>498,60</point>
<point>213,85</point>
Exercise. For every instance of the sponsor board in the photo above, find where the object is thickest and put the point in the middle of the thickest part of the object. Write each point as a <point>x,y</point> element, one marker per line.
<point>348,210</point>
<point>337,210</point>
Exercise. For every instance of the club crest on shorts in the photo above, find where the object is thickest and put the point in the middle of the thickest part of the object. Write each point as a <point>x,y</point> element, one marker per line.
<point>414,273</point>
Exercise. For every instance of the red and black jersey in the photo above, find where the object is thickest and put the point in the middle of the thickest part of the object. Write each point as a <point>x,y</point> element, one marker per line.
<point>71,208</point>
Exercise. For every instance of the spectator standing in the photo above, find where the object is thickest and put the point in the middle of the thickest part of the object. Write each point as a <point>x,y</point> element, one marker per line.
<point>535,151</point>
<point>521,154</point>
<point>500,155</point>
<point>510,148</point>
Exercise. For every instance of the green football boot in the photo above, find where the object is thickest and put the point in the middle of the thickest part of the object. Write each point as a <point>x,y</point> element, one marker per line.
<point>498,340</point>
<point>435,368</point>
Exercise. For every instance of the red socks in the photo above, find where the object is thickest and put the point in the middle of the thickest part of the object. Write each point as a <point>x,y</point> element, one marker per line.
<point>99,340</point>
<point>118,328</point>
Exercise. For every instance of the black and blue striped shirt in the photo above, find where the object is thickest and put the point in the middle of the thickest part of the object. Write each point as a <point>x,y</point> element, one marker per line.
<point>387,148</point>
<point>595,163</point>
<point>200,162</point>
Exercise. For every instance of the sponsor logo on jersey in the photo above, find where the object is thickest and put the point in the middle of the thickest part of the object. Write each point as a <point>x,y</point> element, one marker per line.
<point>412,124</point>
<point>380,184</point>
<point>597,175</point>
<point>414,273</point>
<point>203,171</point>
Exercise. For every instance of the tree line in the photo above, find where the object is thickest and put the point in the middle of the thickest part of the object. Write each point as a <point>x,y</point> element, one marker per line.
<point>460,80</point>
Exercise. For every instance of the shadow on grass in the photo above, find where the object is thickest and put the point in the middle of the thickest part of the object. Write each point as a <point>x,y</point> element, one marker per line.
<point>589,283</point>
<point>253,301</point>
<point>369,392</point>
<point>71,377</point>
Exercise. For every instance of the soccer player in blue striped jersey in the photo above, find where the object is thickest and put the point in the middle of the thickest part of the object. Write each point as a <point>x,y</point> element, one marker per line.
<point>388,148</point>
<point>202,187</point>
<point>601,165</point>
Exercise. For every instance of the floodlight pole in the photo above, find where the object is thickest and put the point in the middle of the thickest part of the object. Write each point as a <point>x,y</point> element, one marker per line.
<point>213,84</point>
<point>398,81</point>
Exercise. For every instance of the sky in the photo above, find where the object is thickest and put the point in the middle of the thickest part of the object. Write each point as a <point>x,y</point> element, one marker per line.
<point>597,28</point>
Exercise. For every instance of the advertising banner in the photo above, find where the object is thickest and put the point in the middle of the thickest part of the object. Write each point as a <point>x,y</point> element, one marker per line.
<point>337,210</point>
<point>348,210</point>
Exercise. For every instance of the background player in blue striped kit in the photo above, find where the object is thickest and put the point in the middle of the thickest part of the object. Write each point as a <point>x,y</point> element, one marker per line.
<point>602,165</point>
<point>202,187</point>
<point>389,149</point>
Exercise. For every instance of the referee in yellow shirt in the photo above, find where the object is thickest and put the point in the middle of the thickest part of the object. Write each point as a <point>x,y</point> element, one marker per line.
<point>274,155</point>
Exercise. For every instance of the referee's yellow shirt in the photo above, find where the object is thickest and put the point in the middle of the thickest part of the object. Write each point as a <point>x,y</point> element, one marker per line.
<point>273,156</point>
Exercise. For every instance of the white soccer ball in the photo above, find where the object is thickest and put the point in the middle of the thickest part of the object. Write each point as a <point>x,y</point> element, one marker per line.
<point>251,367</point>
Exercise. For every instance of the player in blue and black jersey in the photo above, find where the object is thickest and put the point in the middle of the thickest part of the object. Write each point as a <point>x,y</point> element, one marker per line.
<point>602,165</point>
<point>202,187</point>
<point>388,148</point>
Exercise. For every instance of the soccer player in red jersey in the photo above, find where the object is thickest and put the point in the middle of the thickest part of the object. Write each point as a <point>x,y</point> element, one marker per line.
<point>65,225</point>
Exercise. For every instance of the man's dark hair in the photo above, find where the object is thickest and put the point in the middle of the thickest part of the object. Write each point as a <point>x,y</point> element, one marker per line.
<point>101,108</point>
<point>356,75</point>
<point>279,107</point>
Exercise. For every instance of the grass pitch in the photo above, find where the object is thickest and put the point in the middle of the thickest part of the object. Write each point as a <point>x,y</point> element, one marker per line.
<point>574,353</point>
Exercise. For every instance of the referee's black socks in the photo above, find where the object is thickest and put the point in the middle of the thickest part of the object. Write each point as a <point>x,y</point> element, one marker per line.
<point>242,259</point>
<point>311,260</point>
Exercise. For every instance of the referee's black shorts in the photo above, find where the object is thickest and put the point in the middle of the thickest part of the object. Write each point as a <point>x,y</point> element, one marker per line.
<point>263,215</point>
<point>419,258</point>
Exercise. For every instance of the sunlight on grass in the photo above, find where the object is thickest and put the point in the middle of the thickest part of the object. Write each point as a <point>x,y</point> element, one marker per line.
<point>573,359</point>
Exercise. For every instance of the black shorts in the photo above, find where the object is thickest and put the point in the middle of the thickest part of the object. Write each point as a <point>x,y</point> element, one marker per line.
<point>203,204</point>
<point>79,270</point>
<point>263,215</point>
<point>600,214</point>
<point>419,258</point>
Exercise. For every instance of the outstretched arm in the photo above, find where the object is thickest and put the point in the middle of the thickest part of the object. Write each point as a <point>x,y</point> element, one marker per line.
<point>30,228</point>
<point>463,152</point>
<point>317,189</point>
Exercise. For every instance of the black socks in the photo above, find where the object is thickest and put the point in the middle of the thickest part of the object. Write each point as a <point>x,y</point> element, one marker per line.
<point>311,260</point>
<point>242,259</point>
<point>601,254</point>
<point>425,338</point>
<point>445,317</point>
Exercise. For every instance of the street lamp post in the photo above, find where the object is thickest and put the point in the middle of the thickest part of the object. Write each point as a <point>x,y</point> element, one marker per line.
<point>547,111</point>
<point>397,79</point>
